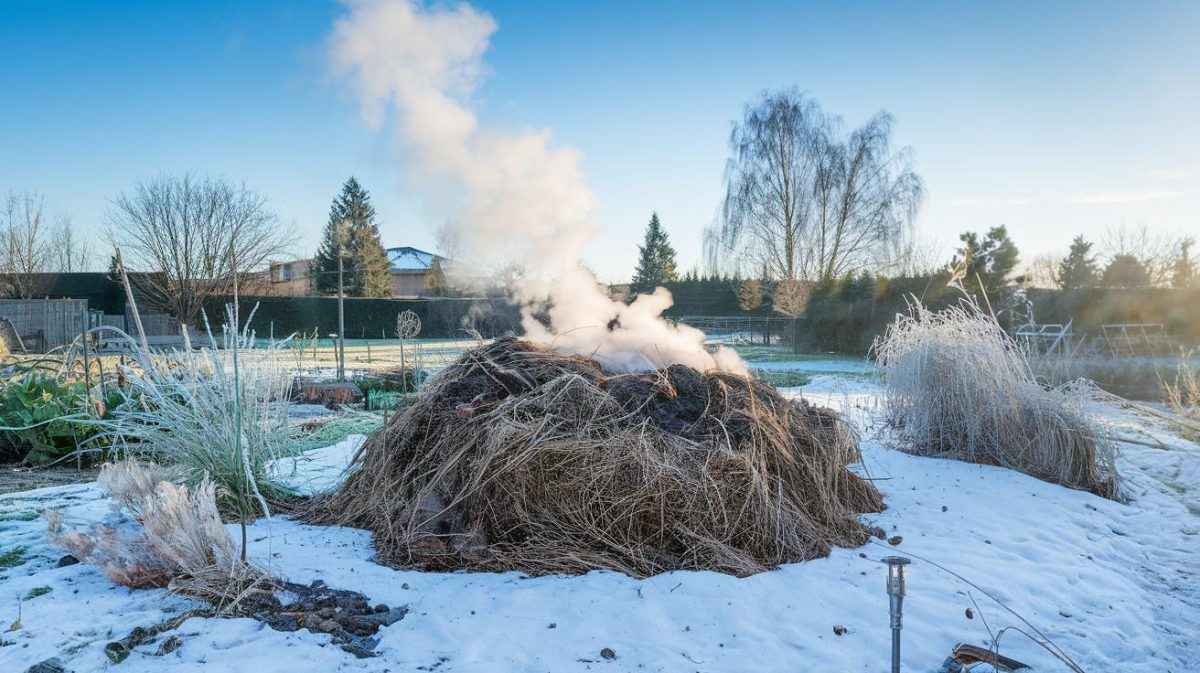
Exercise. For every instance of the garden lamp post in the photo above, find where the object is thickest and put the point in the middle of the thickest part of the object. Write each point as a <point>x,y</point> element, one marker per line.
<point>896,586</point>
<point>342,235</point>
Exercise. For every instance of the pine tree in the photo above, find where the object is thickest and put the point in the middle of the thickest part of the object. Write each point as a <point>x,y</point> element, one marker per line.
<point>1126,272</point>
<point>1183,274</point>
<point>1078,268</point>
<point>749,294</point>
<point>435,280</point>
<point>656,260</point>
<point>987,263</point>
<point>367,270</point>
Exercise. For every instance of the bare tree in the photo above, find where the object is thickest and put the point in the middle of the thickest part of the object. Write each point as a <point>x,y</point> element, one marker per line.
<point>67,251</point>
<point>912,254</point>
<point>450,244</point>
<point>1155,250</point>
<point>807,201</point>
<point>790,297</point>
<point>182,237</point>
<point>1042,271</point>
<point>23,251</point>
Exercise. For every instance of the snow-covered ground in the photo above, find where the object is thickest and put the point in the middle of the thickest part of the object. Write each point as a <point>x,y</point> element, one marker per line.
<point>1116,586</point>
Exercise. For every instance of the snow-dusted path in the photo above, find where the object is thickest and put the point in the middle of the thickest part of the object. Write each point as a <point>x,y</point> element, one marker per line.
<point>1114,585</point>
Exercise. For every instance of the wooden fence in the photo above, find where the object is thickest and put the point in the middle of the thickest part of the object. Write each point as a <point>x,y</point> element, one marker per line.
<point>45,324</point>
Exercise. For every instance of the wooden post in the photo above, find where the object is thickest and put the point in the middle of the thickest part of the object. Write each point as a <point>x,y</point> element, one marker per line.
<point>87,387</point>
<point>137,318</point>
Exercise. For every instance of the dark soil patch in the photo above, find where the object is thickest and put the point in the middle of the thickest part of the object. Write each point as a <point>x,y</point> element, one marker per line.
<point>347,616</point>
<point>15,478</point>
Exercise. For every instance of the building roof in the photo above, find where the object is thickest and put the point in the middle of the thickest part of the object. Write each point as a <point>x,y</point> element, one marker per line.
<point>410,259</point>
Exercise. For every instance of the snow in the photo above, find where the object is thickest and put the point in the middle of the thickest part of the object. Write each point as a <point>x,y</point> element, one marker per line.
<point>320,469</point>
<point>1114,585</point>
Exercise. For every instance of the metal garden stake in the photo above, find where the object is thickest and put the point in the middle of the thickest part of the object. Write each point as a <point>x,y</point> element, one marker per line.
<point>896,589</point>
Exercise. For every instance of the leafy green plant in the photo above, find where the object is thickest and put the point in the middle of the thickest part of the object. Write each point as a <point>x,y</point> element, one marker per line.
<point>37,591</point>
<point>378,400</point>
<point>44,418</point>
<point>12,558</point>
<point>407,380</point>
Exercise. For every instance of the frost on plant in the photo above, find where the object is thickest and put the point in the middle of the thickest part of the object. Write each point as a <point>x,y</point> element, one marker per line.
<point>216,414</point>
<point>958,386</point>
<point>1183,394</point>
<point>165,535</point>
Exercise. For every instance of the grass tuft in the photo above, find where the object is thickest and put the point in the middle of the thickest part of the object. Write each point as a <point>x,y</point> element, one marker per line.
<point>959,387</point>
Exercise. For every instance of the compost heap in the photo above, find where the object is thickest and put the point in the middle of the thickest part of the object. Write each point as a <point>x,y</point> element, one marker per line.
<point>518,458</point>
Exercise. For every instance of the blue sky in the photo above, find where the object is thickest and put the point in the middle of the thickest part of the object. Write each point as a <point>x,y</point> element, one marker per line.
<point>1053,118</point>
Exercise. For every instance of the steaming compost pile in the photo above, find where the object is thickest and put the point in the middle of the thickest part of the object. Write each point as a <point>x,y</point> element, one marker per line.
<point>517,458</point>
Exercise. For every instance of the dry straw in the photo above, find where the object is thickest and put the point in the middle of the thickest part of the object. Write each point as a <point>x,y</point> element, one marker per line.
<point>959,386</point>
<point>176,539</point>
<point>515,458</point>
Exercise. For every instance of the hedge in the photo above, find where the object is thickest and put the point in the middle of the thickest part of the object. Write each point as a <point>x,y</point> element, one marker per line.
<point>373,318</point>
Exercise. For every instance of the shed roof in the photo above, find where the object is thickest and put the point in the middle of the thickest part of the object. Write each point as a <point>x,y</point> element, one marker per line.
<point>406,258</point>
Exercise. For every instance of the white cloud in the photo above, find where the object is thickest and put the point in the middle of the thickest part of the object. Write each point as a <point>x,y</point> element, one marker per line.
<point>974,201</point>
<point>1089,198</point>
<point>1171,174</point>
<point>1080,198</point>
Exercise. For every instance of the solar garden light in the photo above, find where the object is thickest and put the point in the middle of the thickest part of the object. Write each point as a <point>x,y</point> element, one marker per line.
<point>896,589</point>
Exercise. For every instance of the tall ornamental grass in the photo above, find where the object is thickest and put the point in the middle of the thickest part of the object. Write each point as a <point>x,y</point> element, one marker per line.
<point>175,540</point>
<point>215,414</point>
<point>958,386</point>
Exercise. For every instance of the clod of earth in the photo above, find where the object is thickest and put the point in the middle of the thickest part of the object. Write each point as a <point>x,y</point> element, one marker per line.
<point>347,616</point>
<point>51,665</point>
<point>518,458</point>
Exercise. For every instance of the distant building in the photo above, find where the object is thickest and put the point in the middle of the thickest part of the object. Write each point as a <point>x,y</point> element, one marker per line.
<point>410,268</point>
<point>291,279</point>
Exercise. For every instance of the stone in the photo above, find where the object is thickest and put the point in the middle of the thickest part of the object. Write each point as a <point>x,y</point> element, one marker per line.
<point>51,665</point>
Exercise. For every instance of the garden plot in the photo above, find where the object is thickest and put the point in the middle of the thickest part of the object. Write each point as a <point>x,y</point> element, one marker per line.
<point>1114,585</point>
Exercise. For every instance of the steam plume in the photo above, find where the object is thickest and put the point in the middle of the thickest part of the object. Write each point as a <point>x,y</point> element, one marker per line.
<point>510,196</point>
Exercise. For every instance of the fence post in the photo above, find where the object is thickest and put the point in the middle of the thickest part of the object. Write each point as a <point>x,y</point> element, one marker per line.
<point>87,387</point>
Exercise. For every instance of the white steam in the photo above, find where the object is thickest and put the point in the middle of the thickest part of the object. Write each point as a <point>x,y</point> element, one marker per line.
<point>510,196</point>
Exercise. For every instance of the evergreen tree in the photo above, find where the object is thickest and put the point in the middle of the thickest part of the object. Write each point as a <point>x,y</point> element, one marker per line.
<point>656,260</point>
<point>1078,269</point>
<point>435,280</point>
<point>114,269</point>
<point>986,263</point>
<point>749,294</point>
<point>1183,274</point>
<point>855,288</point>
<point>1126,272</point>
<point>352,226</point>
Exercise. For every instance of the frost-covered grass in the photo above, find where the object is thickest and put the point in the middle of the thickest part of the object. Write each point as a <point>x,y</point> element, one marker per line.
<point>958,386</point>
<point>1183,393</point>
<point>217,414</point>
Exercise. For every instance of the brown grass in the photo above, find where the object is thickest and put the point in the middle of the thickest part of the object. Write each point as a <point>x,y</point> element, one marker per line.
<point>176,539</point>
<point>516,458</point>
